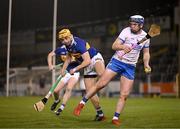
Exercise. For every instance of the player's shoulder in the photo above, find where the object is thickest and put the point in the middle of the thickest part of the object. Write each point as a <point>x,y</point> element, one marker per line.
<point>126,30</point>
<point>78,40</point>
<point>79,43</point>
<point>144,33</point>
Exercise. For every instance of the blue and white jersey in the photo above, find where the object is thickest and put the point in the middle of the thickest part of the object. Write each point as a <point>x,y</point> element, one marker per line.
<point>129,38</point>
<point>79,47</point>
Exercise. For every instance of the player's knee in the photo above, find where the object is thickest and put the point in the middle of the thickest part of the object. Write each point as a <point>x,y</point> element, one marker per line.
<point>123,97</point>
<point>68,90</point>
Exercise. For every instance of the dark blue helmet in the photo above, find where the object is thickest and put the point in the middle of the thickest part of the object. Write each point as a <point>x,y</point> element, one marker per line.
<point>61,50</point>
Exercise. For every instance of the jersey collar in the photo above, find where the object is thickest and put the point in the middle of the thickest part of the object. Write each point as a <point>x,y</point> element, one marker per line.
<point>72,41</point>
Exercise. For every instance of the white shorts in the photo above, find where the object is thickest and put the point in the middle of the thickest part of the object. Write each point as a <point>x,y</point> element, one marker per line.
<point>90,69</point>
<point>67,76</point>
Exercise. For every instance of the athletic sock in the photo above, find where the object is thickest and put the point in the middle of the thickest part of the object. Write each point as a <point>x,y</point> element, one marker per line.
<point>84,100</point>
<point>116,116</point>
<point>62,107</point>
<point>99,112</point>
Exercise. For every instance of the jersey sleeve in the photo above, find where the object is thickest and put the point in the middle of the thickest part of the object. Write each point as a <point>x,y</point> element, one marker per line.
<point>122,35</point>
<point>147,43</point>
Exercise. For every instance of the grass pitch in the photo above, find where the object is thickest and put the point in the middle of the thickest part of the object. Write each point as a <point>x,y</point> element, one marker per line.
<point>18,112</point>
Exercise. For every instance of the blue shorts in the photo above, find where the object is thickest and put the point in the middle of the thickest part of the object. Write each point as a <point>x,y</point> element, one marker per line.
<point>122,69</point>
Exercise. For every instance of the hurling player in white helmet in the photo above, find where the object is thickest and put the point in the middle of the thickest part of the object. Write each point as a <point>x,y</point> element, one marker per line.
<point>123,67</point>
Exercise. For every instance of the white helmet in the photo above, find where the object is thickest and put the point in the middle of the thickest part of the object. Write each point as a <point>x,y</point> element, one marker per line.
<point>137,18</point>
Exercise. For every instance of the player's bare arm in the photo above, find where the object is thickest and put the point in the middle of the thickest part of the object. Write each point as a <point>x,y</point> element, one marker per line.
<point>49,59</point>
<point>65,65</point>
<point>86,62</point>
<point>118,45</point>
<point>146,58</point>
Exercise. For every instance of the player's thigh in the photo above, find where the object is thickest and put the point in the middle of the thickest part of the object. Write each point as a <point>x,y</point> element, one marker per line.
<point>62,82</point>
<point>99,67</point>
<point>125,85</point>
<point>71,83</point>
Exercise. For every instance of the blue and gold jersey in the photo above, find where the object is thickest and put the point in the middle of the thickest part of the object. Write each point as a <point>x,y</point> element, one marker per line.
<point>62,52</point>
<point>79,47</point>
<point>72,65</point>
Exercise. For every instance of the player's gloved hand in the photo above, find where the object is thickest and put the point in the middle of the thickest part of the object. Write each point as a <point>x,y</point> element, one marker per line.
<point>72,71</point>
<point>51,67</point>
<point>147,69</point>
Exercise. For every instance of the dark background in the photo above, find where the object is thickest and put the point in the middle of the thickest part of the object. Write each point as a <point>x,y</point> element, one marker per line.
<point>32,14</point>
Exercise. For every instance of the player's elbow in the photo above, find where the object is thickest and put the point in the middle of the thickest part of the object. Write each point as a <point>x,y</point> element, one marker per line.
<point>50,54</point>
<point>113,47</point>
<point>116,45</point>
<point>88,61</point>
